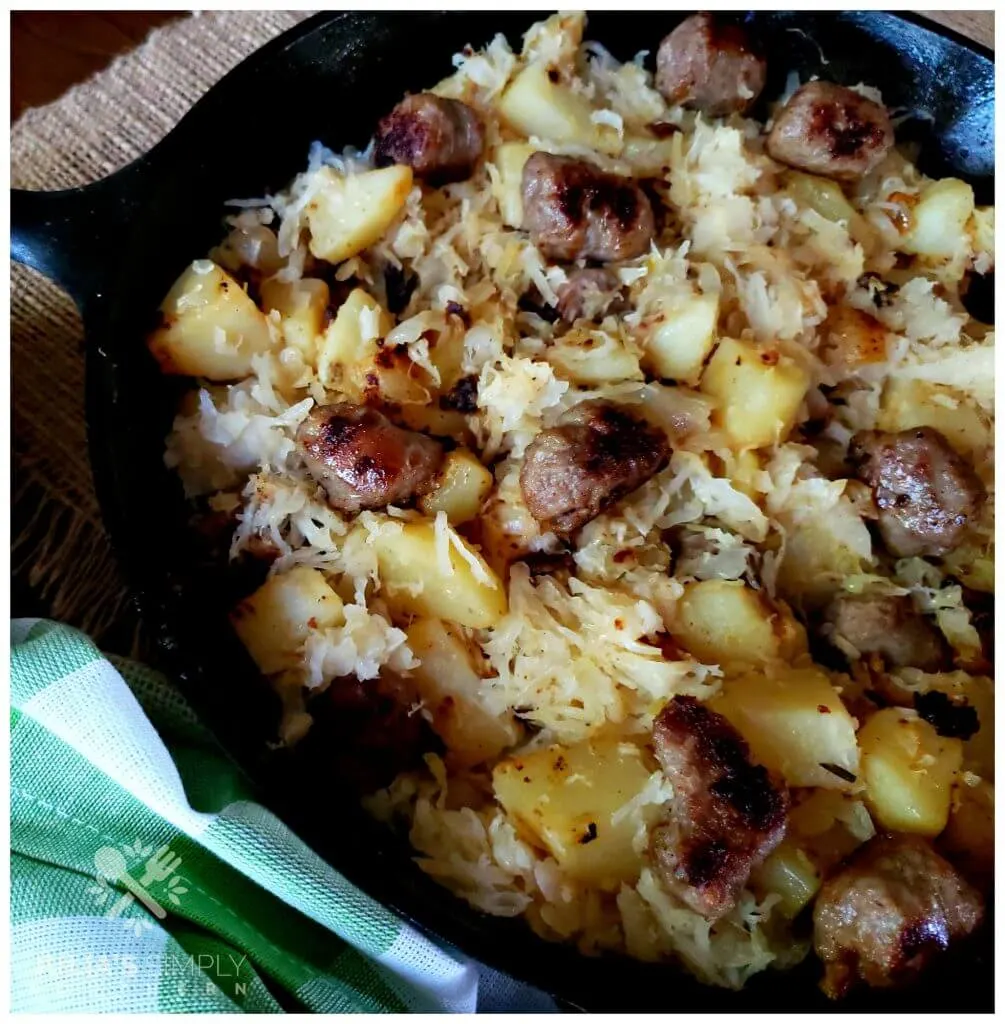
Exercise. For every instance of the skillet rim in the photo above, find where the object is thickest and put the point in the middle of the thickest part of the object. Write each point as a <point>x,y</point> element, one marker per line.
<point>484,950</point>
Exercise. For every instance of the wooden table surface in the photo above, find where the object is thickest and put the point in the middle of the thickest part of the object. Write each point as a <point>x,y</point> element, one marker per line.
<point>51,51</point>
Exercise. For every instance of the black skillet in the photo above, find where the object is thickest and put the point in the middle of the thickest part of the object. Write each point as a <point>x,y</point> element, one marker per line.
<point>117,245</point>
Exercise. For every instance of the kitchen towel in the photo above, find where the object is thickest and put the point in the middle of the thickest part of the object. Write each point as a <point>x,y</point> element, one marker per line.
<point>145,878</point>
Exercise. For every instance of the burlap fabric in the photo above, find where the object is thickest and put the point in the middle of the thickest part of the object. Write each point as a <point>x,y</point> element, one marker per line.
<point>94,129</point>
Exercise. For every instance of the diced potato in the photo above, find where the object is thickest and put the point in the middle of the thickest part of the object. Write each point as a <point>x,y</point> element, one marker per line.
<point>352,361</point>
<point>917,403</point>
<point>349,213</point>
<point>758,392</point>
<point>592,357</point>
<point>790,873</point>
<point>302,305</point>
<point>431,419</point>
<point>678,345</point>
<point>566,798</point>
<point>744,471</point>
<point>826,198</point>
<point>209,327</point>
<point>938,220</point>
<point>795,723</point>
<point>854,338</point>
<point>649,156</point>
<point>725,622</point>
<point>509,159</point>
<point>829,825</point>
<point>534,105</point>
<point>823,829</point>
<point>275,620</point>
<point>449,681</point>
<point>350,342</point>
<point>417,581</point>
<point>462,485</point>
<point>505,537</point>
<point>818,557</point>
<point>448,685</point>
<point>969,838</point>
<point>908,770</point>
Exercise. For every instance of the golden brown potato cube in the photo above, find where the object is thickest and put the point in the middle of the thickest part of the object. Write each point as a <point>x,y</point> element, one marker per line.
<point>448,685</point>
<point>509,159</point>
<point>795,723</point>
<point>908,770</point>
<point>534,105</point>
<point>758,392</point>
<point>677,346</point>
<point>302,305</point>
<point>354,360</point>
<point>347,214</point>
<point>790,873</point>
<point>209,326</point>
<point>726,622</point>
<point>462,484</point>
<point>567,800</point>
<point>276,619</point>
<point>910,403</point>
<point>431,419</point>
<point>938,220</point>
<point>424,574</point>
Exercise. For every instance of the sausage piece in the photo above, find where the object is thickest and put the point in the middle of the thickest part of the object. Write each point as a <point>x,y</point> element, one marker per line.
<point>363,460</point>
<point>894,908</point>
<point>572,210</point>
<point>709,65</point>
<point>587,293</point>
<point>364,734</point>
<point>726,816</point>
<point>926,493</point>
<point>594,456</point>
<point>888,625</point>
<point>440,139</point>
<point>830,130</point>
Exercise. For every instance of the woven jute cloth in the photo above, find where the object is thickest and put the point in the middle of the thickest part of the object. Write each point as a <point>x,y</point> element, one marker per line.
<point>91,131</point>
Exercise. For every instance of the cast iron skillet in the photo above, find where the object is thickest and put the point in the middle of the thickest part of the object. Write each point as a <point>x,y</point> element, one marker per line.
<point>117,245</point>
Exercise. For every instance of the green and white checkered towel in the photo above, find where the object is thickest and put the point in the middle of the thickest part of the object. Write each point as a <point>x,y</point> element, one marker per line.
<point>144,878</point>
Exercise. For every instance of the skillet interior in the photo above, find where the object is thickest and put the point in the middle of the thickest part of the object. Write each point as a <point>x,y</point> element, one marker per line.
<point>331,79</point>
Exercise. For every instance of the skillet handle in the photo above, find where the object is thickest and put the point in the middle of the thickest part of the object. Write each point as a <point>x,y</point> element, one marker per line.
<point>75,236</point>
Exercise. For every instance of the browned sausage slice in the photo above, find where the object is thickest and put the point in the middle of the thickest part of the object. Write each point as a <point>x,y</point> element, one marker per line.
<point>594,456</point>
<point>889,625</point>
<point>709,65</point>
<point>726,816</point>
<point>829,130</point>
<point>894,908</point>
<point>572,210</point>
<point>440,139</point>
<point>925,492</point>
<point>363,460</point>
